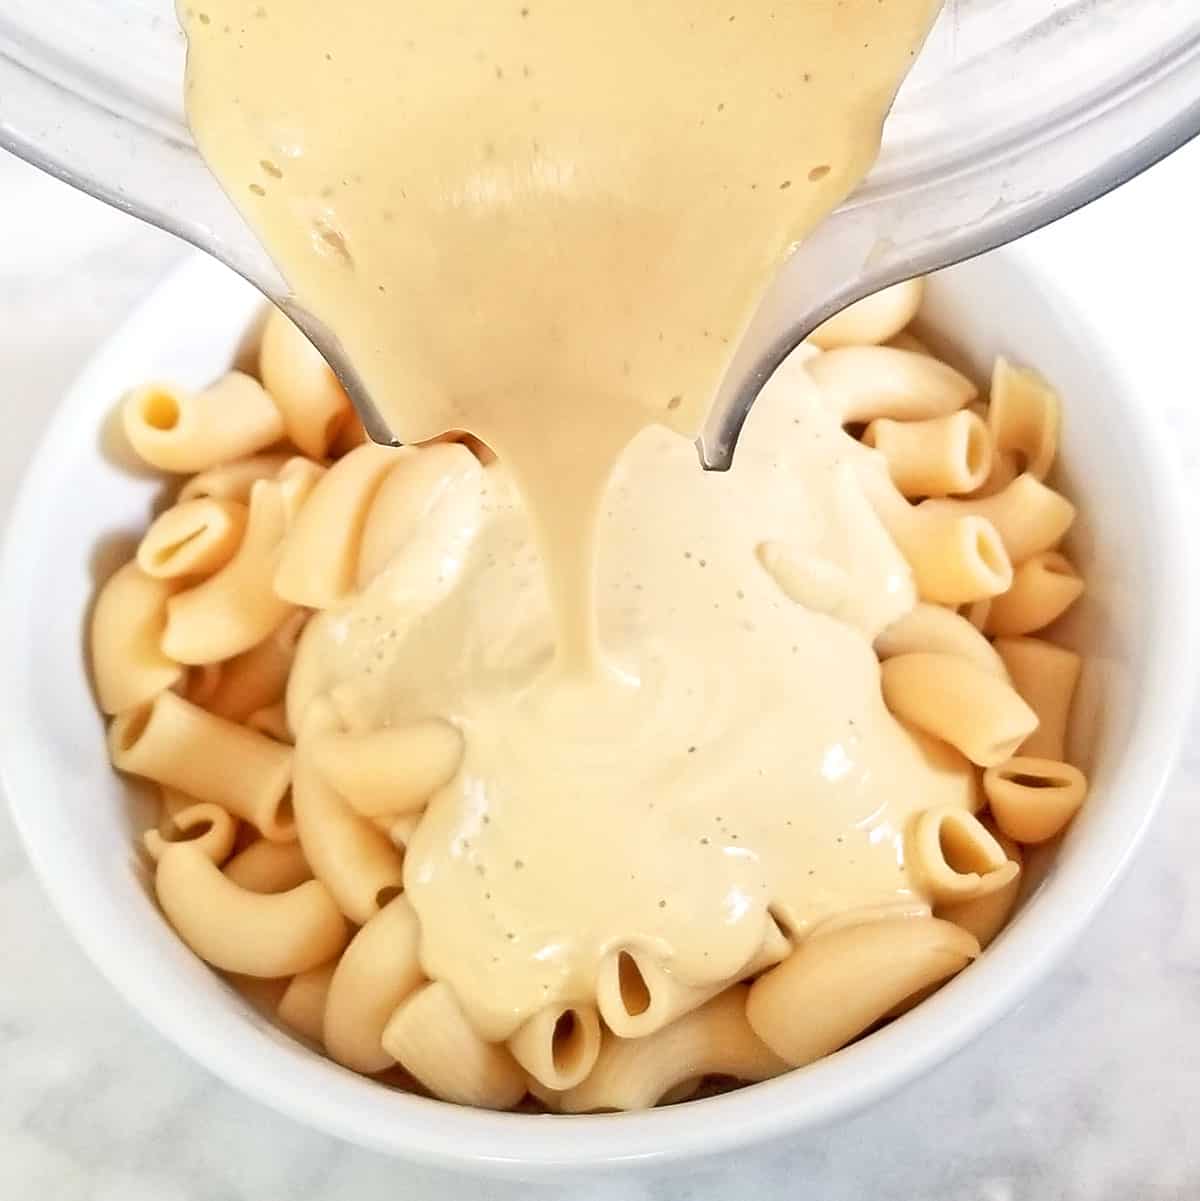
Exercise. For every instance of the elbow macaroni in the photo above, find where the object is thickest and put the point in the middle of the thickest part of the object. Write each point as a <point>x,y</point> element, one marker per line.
<point>193,645</point>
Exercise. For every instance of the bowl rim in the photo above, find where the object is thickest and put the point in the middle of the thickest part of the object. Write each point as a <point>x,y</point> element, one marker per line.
<point>501,1144</point>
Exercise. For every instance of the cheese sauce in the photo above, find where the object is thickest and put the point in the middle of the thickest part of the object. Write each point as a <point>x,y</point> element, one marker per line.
<point>549,224</point>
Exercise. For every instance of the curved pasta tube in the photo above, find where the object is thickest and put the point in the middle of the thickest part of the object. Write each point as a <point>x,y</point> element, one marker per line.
<point>977,713</point>
<point>937,630</point>
<point>238,607</point>
<point>176,430</point>
<point>257,934</point>
<point>376,972</point>
<point>232,481</point>
<point>956,856</point>
<point>872,320</point>
<point>429,1035</point>
<point>1033,799</point>
<point>1044,587</point>
<point>1028,516</point>
<point>302,1006</point>
<point>319,559</point>
<point>261,994</point>
<point>955,558</point>
<point>862,383</point>
<point>351,855</point>
<point>128,664</point>
<point>177,744</point>
<point>983,917</point>
<point>559,1045</point>
<point>258,677</point>
<point>940,456</point>
<point>204,825</point>
<point>266,866</point>
<point>420,483</point>
<point>714,1040</point>
<point>637,995</point>
<point>313,403</point>
<point>393,770</point>
<point>1024,416</point>
<point>1046,676</point>
<point>835,986</point>
<point>195,537</point>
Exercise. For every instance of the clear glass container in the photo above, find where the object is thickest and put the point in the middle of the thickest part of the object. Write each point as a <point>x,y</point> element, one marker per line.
<point>1017,112</point>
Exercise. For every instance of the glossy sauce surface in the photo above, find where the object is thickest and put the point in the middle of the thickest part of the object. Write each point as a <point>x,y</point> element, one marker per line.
<point>548,224</point>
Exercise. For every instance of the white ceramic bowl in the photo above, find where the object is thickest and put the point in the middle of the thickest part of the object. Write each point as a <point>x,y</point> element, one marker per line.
<point>77,819</point>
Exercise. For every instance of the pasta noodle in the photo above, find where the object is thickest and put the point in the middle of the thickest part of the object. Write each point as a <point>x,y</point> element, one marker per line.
<point>937,630</point>
<point>637,995</point>
<point>1033,799</point>
<point>957,856</point>
<point>266,866</point>
<point>835,986</point>
<point>313,403</point>
<point>320,556</point>
<point>430,1036</point>
<point>862,383</point>
<point>1044,587</point>
<point>196,537</point>
<point>978,714</point>
<point>181,746</point>
<point>128,663</point>
<point>389,771</point>
<point>302,1006</point>
<point>204,825</point>
<point>984,916</point>
<point>176,430</point>
<point>1028,516</point>
<point>256,934</point>
<point>232,481</point>
<point>376,972</point>
<point>1023,413</point>
<point>872,320</point>
<point>238,607</point>
<point>936,457</point>
<point>347,852</point>
<point>713,1040</point>
<point>1045,675</point>
<point>559,1045</point>
<point>257,677</point>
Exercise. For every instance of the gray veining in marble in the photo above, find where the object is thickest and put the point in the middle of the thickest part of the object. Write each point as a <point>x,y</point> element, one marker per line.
<point>1087,1093</point>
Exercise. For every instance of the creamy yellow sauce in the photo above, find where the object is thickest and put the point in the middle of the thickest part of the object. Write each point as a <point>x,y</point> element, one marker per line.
<point>549,224</point>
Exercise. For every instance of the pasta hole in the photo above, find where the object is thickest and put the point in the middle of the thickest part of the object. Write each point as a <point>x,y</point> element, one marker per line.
<point>164,554</point>
<point>1025,780</point>
<point>635,992</point>
<point>990,552</point>
<point>977,450</point>
<point>962,853</point>
<point>566,1043</point>
<point>385,896</point>
<point>160,410</point>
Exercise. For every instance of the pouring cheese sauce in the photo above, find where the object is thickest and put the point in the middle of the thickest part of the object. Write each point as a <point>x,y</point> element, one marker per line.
<point>548,225</point>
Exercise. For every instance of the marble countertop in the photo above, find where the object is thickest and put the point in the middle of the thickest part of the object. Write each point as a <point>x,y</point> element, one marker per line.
<point>1086,1093</point>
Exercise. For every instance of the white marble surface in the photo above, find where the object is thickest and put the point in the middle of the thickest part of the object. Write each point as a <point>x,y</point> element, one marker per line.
<point>1086,1093</point>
